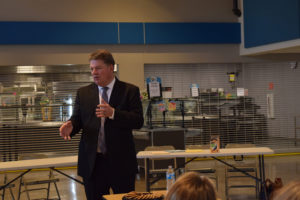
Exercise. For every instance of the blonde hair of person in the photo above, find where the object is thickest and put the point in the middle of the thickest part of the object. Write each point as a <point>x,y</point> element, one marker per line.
<point>290,191</point>
<point>192,186</point>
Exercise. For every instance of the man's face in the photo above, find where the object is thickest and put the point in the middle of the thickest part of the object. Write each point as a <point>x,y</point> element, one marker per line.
<point>102,73</point>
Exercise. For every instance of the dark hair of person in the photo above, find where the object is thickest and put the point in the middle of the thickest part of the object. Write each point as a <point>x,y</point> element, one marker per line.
<point>103,55</point>
<point>192,186</point>
<point>291,191</point>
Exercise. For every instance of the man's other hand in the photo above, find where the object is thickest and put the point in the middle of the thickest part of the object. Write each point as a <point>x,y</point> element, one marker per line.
<point>65,130</point>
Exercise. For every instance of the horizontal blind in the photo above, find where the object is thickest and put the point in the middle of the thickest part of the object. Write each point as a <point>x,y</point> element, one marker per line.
<point>34,102</point>
<point>235,119</point>
<point>282,82</point>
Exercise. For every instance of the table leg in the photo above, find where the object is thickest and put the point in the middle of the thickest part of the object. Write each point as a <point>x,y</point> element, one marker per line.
<point>70,177</point>
<point>237,169</point>
<point>262,193</point>
<point>147,175</point>
<point>263,168</point>
<point>20,176</point>
<point>3,194</point>
<point>20,187</point>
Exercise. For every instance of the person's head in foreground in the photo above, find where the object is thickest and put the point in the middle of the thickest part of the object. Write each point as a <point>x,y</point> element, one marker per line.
<point>192,186</point>
<point>290,191</point>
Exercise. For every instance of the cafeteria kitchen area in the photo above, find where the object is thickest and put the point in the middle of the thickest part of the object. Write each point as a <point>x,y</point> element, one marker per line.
<point>245,74</point>
<point>36,100</point>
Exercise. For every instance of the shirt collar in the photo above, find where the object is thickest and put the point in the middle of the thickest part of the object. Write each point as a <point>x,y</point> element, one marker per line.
<point>110,85</point>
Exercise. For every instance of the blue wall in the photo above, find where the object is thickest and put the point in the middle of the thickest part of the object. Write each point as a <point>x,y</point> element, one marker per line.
<point>58,33</point>
<point>192,33</point>
<point>270,21</point>
<point>118,33</point>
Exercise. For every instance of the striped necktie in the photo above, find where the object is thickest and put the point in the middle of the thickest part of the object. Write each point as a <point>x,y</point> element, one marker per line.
<point>101,137</point>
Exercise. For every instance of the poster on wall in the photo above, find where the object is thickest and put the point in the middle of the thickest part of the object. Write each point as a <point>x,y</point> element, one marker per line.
<point>240,92</point>
<point>194,90</point>
<point>154,87</point>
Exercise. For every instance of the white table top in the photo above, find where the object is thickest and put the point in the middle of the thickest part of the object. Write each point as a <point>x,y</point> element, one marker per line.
<point>65,161</point>
<point>68,161</point>
<point>205,153</point>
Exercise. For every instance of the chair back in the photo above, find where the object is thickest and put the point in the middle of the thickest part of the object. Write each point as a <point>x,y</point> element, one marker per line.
<point>245,163</point>
<point>159,148</point>
<point>161,164</point>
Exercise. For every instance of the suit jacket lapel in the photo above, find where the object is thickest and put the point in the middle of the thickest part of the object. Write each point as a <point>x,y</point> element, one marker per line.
<point>113,101</point>
<point>94,101</point>
<point>94,95</point>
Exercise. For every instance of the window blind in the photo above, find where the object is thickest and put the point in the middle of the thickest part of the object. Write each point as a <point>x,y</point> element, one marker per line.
<point>265,115</point>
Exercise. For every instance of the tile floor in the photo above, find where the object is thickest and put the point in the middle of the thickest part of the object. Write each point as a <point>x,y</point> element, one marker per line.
<point>285,166</point>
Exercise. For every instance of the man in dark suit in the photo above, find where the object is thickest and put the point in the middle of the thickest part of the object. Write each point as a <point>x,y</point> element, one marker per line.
<point>106,111</point>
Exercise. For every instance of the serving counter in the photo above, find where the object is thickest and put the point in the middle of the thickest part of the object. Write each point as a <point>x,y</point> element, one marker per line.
<point>17,140</point>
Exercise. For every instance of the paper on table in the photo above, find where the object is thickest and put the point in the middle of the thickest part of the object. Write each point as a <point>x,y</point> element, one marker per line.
<point>193,150</point>
<point>159,152</point>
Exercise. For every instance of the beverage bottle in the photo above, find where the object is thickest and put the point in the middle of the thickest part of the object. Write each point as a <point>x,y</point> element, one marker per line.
<point>170,176</point>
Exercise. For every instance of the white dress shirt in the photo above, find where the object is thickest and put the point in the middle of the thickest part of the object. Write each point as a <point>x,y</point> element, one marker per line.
<point>108,92</point>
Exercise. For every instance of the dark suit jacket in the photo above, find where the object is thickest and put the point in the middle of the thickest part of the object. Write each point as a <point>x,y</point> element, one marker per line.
<point>125,98</point>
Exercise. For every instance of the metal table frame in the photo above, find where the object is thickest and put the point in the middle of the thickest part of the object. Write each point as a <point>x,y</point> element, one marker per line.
<point>255,151</point>
<point>28,165</point>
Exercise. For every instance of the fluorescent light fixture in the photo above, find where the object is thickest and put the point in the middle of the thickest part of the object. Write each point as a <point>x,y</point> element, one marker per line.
<point>30,69</point>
